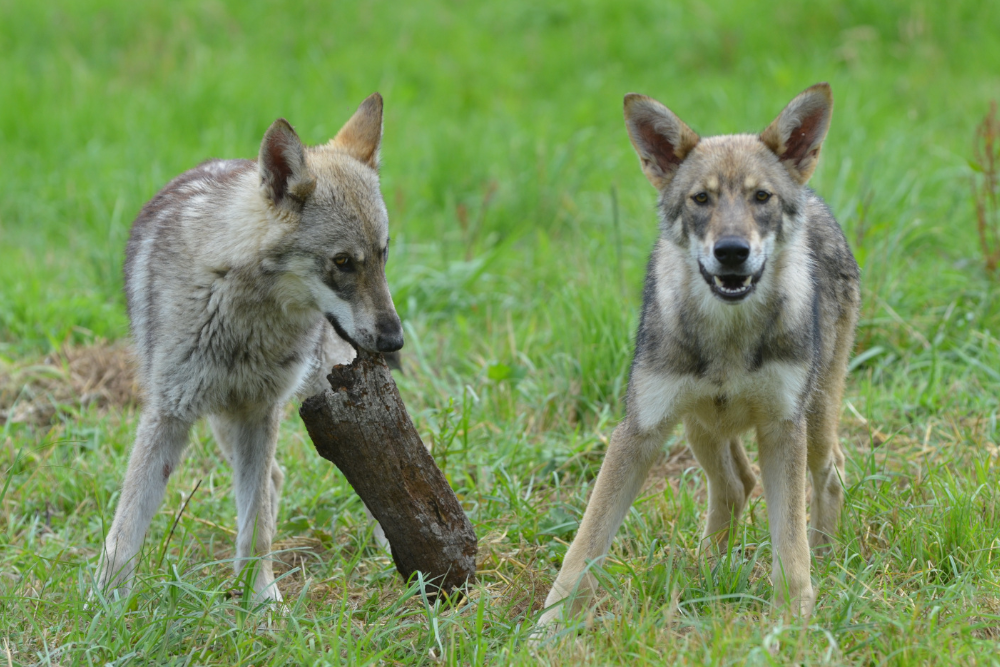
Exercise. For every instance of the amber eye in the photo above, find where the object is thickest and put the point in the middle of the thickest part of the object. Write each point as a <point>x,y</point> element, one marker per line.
<point>343,262</point>
<point>701,197</point>
<point>763,195</point>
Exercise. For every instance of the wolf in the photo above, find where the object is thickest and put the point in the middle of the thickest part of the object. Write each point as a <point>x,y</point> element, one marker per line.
<point>246,281</point>
<point>749,310</point>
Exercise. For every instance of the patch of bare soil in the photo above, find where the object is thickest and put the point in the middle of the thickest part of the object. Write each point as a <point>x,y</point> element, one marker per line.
<point>33,391</point>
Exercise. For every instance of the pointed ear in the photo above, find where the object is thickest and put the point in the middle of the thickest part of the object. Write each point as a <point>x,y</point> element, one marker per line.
<point>661,139</point>
<point>284,177</point>
<point>797,134</point>
<point>361,136</point>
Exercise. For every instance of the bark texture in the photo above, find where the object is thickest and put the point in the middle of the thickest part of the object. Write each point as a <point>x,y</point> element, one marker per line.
<point>361,425</point>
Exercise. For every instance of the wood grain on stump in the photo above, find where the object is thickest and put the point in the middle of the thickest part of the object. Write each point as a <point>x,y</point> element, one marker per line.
<point>361,425</point>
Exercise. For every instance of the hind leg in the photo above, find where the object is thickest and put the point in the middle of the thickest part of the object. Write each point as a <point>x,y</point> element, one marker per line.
<point>224,436</point>
<point>159,444</point>
<point>825,457</point>
<point>826,464</point>
<point>249,440</point>
<point>730,480</point>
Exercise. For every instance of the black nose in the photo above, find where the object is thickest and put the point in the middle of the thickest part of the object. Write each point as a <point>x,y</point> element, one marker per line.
<point>731,250</point>
<point>390,335</point>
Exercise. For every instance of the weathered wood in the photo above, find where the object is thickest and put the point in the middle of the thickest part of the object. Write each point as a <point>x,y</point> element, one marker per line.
<point>361,425</point>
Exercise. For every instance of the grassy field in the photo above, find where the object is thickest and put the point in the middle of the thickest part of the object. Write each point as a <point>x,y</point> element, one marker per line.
<point>521,224</point>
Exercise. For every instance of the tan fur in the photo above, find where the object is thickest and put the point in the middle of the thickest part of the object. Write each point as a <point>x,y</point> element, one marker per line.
<point>246,281</point>
<point>772,358</point>
<point>786,132</point>
<point>658,158</point>
<point>361,137</point>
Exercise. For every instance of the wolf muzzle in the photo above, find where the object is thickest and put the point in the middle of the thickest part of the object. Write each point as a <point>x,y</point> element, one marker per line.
<point>734,282</point>
<point>389,334</point>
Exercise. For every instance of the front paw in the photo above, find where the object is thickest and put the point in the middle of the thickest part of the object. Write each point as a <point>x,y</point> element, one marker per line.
<point>799,605</point>
<point>546,626</point>
<point>547,623</point>
<point>268,594</point>
<point>113,598</point>
<point>565,604</point>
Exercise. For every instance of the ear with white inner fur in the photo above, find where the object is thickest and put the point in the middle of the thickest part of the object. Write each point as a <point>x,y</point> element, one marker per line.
<point>661,139</point>
<point>284,176</point>
<point>361,136</point>
<point>797,134</point>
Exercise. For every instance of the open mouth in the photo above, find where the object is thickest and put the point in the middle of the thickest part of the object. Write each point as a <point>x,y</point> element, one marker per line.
<point>731,287</point>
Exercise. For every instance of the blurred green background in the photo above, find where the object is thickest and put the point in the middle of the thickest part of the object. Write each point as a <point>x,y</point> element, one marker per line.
<point>521,225</point>
<point>505,161</point>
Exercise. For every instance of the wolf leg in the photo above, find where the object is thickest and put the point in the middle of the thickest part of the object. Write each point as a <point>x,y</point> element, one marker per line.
<point>378,534</point>
<point>277,482</point>
<point>226,432</point>
<point>626,465</point>
<point>825,457</point>
<point>251,438</point>
<point>782,447</point>
<point>826,463</point>
<point>730,480</point>
<point>159,444</point>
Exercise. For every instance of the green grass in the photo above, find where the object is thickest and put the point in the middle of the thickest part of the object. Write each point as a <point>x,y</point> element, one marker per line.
<point>521,225</point>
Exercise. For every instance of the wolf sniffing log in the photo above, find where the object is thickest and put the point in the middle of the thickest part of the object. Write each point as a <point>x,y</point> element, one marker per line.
<point>748,318</point>
<point>247,280</point>
<point>361,425</point>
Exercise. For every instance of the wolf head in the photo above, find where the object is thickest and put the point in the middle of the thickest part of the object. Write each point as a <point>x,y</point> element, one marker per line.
<point>732,202</point>
<point>333,257</point>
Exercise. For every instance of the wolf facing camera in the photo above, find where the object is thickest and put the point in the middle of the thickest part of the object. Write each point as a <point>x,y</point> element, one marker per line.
<point>246,281</point>
<point>748,319</point>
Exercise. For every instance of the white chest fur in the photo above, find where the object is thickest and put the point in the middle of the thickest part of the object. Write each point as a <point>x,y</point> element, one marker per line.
<point>728,405</point>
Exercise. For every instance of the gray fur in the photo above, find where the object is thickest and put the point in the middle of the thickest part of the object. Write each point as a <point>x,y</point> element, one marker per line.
<point>727,343</point>
<point>246,282</point>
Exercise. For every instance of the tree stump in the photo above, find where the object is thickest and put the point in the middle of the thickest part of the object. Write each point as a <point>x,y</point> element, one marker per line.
<point>361,425</point>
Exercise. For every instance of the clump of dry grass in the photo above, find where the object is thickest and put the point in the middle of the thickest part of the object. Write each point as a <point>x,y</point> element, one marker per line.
<point>35,390</point>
